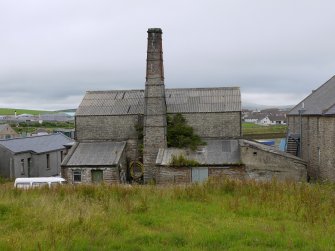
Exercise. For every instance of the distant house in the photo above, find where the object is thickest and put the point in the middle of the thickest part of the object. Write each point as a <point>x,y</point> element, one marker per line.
<point>40,131</point>
<point>258,118</point>
<point>277,120</point>
<point>67,132</point>
<point>60,117</point>
<point>312,124</point>
<point>264,119</point>
<point>38,156</point>
<point>7,132</point>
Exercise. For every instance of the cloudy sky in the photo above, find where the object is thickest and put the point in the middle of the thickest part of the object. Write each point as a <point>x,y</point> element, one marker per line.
<point>52,51</point>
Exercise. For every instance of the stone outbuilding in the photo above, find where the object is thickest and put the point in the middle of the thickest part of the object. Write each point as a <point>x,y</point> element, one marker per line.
<point>311,123</point>
<point>241,159</point>
<point>94,162</point>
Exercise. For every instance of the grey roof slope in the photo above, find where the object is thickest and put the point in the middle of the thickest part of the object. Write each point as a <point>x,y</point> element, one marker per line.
<point>187,100</point>
<point>106,153</point>
<point>37,144</point>
<point>319,102</point>
<point>216,152</point>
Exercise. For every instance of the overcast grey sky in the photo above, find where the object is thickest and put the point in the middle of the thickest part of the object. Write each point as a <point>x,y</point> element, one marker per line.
<point>52,51</point>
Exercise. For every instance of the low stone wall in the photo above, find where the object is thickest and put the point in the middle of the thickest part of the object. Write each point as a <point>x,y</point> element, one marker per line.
<point>236,172</point>
<point>171,175</point>
<point>264,163</point>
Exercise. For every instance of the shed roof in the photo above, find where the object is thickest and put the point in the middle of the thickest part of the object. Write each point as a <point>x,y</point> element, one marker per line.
<point>188,100</point>
<point>216,152</point>
<point>319,102</point>
<point>37,144</point>
<point>106,153</point>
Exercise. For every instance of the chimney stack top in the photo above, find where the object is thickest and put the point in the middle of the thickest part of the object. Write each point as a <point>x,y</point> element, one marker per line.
<point>155,30</point>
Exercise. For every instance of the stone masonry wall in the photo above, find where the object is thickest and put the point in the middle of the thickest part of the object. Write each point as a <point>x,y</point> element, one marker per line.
<point>116,128</point>
<point>215,125</point>
<point>236,172</point>
<point>265,164</point>
<point>110,174</point>
<point>318,144</point>
<point>171,175</point>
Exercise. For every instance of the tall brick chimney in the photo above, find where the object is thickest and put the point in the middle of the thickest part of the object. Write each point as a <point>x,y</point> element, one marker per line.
<point>155,106</point>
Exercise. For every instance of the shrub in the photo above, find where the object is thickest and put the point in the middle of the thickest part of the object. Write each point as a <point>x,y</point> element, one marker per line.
<point>181,135</point>
<point>182,161</point>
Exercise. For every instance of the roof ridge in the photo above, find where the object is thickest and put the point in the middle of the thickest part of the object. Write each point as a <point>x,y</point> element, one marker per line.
<point>313,92</point>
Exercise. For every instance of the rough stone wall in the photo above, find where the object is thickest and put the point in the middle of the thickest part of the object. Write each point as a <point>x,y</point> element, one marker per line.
<point>171,175</point>
<point>110,174</point>
<point>236,172</point>
<point>118,128</point>
<point>215,125</point>
<point>265,165</point>
<point>318,144</point>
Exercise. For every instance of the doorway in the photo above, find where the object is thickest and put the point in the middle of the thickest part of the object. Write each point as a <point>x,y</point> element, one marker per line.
<point>97,176</point>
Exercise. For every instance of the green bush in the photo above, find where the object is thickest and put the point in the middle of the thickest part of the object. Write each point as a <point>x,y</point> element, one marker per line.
<point>181,135</point>
<point>182,161</point>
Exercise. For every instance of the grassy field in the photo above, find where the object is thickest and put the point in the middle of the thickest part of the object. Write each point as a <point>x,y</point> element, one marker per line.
<point>30,127</point>
<point>253,129</point>
<point>11,111</point>
<point>217,215</point>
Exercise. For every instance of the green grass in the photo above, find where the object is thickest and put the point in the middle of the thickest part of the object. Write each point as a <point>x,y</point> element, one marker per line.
<point>218,215</point>
<point>30,127</point>
<point>251,128</point>
<point>11,111</point>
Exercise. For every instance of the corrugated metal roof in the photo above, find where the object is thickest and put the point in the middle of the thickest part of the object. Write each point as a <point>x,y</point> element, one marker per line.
<point>188,100</point>
<point>95,154</point>
<point>216,152</point>
<point>319,102</point>
<point>37,144</point>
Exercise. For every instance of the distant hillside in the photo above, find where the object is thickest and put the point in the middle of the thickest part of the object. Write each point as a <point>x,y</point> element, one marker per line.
<point>251,106</point>
<point>67,110</point>
<point>11,111</point>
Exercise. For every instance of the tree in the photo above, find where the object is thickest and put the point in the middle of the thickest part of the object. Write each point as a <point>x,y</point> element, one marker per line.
<point>181,135</point>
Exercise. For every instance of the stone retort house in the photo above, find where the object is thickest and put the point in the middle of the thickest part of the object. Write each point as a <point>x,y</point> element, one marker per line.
<point>312,121</point>
<point>111,118</point>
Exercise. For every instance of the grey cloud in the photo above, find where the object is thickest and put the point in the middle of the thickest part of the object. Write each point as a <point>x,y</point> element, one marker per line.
<point>56,50</point>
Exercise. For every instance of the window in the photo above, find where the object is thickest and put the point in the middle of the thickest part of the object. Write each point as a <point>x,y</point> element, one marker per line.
<point>22,166</point>
<point>29,167</point>
<point>61,156</point>
<point>77,176</point>
<point>48,161</point>
<point>24,185</point>
<point>39,184</point>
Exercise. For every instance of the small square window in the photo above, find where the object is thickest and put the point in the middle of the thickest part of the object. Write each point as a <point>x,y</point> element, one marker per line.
<point>77,176</point>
